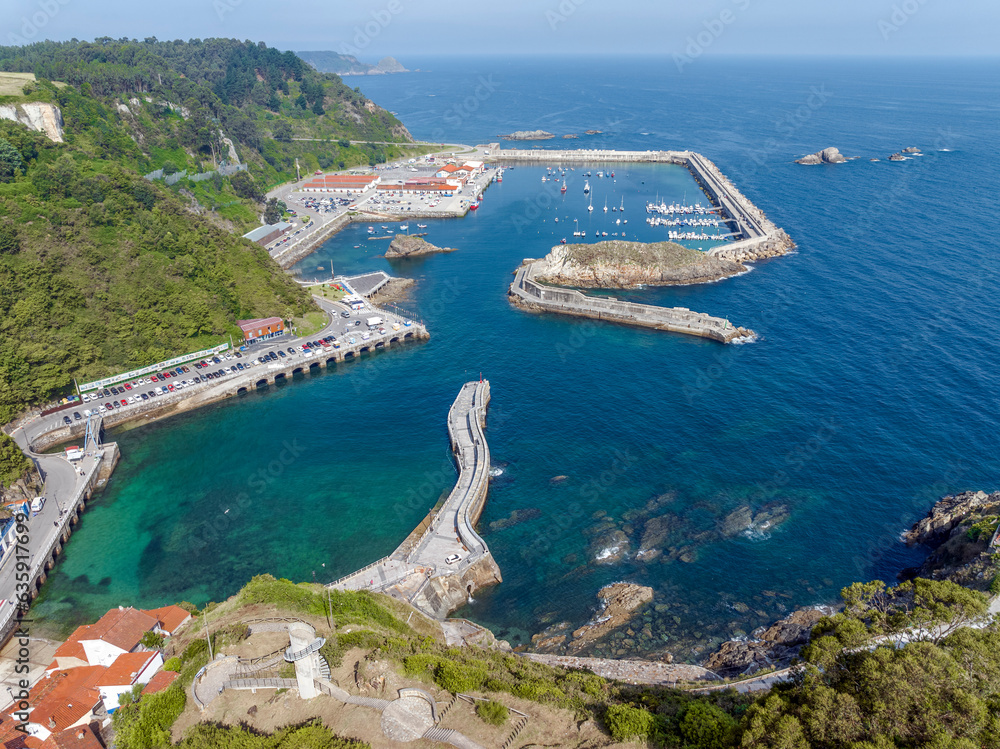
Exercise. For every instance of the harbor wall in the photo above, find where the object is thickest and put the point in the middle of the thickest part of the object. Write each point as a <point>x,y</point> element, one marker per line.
<point>530,295</point>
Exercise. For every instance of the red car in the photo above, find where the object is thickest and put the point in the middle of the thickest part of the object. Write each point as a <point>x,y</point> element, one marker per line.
<point>170,388</point>
<point>128,386</point>
<point>124,402</point>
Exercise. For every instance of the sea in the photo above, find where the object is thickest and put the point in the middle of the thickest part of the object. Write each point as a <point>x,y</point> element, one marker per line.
<point>738,482</point>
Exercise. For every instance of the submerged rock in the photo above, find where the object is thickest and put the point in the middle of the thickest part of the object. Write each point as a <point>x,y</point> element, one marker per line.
<point>619,602</point>
<point>517,516</point>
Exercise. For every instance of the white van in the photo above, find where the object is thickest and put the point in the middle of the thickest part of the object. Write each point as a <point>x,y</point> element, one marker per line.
<point>36,505</point>
<point>374,322</point>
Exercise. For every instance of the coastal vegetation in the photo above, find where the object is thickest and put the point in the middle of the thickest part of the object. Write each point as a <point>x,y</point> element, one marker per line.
<point>898,667</point>
<point>14,464</point>
<point>102,270</point>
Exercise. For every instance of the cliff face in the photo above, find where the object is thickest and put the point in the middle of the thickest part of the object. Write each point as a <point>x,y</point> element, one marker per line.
<point>623,265</point>
<point>960,530</point>
<point>37,116</point>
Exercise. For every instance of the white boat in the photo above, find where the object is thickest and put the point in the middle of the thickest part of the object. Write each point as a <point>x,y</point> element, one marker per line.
<point>622,208</point>
<point>586,187</point>
<point>421,226</point>
<point>404,227</point>
<point>605,205</point>
<point>591,206</point>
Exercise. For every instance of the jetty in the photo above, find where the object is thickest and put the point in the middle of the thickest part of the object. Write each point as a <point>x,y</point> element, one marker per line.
<point>444,560</point>
<point>758,237</point>
<point>529,294</point>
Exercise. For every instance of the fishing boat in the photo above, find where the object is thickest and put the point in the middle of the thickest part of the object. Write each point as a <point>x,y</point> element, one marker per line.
<point>605,205</point>
<point>421,226</point>
<point>543,178</point>
<point>563,188</point>
<point>586,187</point>
<point>563,241</point>
<point>474,206</point>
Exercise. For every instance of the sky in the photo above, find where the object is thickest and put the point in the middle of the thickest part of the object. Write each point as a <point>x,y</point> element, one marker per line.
<point>406,28</point>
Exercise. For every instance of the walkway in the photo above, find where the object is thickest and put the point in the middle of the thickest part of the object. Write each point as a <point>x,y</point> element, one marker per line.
<point>632,672</point>
<point>451,532</point>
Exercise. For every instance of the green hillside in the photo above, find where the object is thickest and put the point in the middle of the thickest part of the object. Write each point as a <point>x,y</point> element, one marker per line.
<point>102,270</point>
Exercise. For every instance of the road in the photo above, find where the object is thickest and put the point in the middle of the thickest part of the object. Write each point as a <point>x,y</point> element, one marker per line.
<point>62,483</point>
<point>336,326</point>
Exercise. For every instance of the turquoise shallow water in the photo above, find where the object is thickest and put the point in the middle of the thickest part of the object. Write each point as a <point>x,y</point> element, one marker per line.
<point>871,393</point>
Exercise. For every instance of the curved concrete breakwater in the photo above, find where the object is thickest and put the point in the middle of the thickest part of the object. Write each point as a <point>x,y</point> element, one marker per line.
<point>759,237</point>
<point>530,295</point>
<point>424,570</point>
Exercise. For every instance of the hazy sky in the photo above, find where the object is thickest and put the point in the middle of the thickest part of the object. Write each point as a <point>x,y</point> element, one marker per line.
<point>590,27</point>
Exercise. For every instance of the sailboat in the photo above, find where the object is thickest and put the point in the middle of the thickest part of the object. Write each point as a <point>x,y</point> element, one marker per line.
<point>591,206</point>
<point>586,187</point>
<point>622,208</point>
<point>605,204</point>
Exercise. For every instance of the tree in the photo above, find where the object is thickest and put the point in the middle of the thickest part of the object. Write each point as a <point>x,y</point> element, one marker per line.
<point>706,726</point>
<point>272,214</point>
<point>283,132</point>
<point>14,464</point>
<point>317,108</point>
<point>244,186</point>
<point>10,244</point>
<point>10,161</point>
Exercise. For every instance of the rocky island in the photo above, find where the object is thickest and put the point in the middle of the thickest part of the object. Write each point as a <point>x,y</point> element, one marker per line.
<point>529,135</point>
<point>407,245</point>
<point>826,156</point>
<point>618,264</point>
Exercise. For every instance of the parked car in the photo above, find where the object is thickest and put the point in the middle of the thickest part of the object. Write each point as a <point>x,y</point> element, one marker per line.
<point>345,314</point>
<point>451,559</point>
<point>116,404</point>
<point>143,396</point>
<point>76,415</point>
<point>67,420</point>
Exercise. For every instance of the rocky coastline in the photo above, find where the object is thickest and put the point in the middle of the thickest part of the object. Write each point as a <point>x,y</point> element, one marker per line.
<point>407,245</point>
<point>626,265</point>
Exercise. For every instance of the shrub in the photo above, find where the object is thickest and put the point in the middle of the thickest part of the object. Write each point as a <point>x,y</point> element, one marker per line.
<point>173,664</point>
<point>146,724</point>
<point>152,640</point>
<point>492,713</point>
<point>459,677</point>
<point>626,722</point>
<point>706,726</point>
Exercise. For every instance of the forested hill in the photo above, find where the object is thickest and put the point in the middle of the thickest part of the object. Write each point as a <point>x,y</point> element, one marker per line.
<point>102,270</point>
<point>181,99</point>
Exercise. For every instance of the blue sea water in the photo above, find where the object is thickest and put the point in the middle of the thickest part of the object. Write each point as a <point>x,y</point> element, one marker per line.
<point>871,392</point>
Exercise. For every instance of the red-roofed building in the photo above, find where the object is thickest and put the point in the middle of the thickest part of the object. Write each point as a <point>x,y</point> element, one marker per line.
<point>82,737</point>
<point>342,183</point>
<point>118,631</point>
<point>261,329</point>
<point>62,700</point>
<point>127,670</point>
<point>169,618</point>
<point>160,681</point>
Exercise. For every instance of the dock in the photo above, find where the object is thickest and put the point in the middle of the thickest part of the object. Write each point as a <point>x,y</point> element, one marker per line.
<point>758,237</point>
<point>528,294</point>
<point>419,570</point>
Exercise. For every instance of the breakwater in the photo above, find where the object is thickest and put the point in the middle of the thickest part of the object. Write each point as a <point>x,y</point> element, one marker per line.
<point>439,566</point>
<point>758,237</point>
<point>530,295</point>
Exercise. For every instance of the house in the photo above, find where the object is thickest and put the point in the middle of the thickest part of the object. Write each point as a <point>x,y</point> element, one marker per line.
<point>117,632</point>
<point>82,737</point>
<point>168,618</point>
<point>61,701</point>
<point>261,329</point>
<point>127,670</point>
<point>264,235</point>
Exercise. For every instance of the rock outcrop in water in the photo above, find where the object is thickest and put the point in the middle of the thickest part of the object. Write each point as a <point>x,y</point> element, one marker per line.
<point>826,156</point>
<point>960,530</point>
<point>623,265</point>
<point>529,135</point>
<point>406,245</point>
<point>776,645</point>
